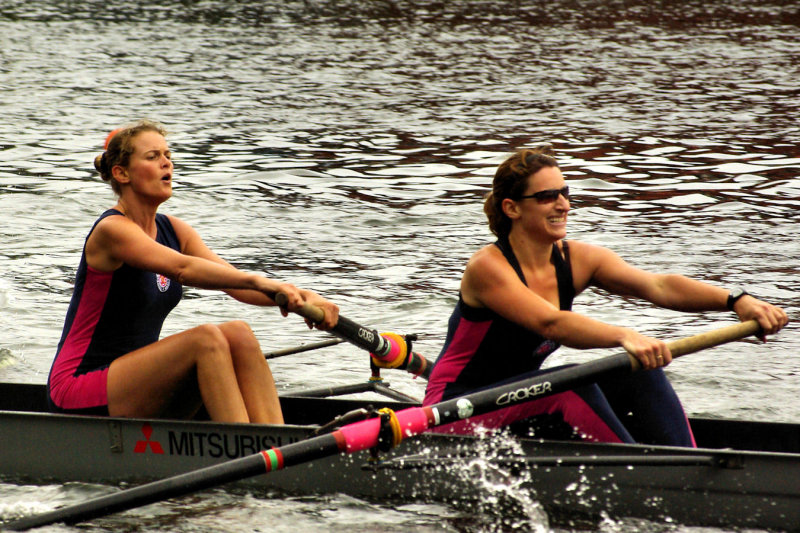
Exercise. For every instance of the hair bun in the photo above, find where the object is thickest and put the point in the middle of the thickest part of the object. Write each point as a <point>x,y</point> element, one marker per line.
<point>100,164</point>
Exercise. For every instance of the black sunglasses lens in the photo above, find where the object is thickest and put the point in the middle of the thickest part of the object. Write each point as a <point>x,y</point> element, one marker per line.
<point>547,196</point>
<point>551,195</point>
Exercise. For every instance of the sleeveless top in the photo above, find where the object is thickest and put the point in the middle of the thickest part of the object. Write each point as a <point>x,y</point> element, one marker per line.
<point>113,313</point>
<point>483,348</point>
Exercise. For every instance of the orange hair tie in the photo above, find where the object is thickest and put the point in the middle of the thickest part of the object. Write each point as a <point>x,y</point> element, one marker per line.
<point>110,136</point>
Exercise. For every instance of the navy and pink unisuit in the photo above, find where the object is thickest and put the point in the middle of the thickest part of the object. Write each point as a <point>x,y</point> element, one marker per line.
<point>482,349</point>
<point>110,314</point>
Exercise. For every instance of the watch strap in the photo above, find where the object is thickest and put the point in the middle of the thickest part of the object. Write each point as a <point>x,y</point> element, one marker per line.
<point>734,296</point>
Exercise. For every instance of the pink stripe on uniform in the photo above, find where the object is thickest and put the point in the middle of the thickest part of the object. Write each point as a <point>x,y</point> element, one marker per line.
<point>87,390</point>
<point>574,410</point>
<point>468,335</point>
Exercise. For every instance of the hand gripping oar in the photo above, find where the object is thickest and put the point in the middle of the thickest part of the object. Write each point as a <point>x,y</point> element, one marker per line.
<point>388,350</point>
<point>372,433</point>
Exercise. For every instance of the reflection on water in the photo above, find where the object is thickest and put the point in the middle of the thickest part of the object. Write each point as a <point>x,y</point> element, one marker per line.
<point>346,146</point>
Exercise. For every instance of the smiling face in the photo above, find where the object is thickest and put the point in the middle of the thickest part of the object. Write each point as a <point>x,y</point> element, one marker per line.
<point>148,174</point>
<point>545,217</point>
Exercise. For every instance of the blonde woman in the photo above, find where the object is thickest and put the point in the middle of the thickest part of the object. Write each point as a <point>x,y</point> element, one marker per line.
<point>110,360</point>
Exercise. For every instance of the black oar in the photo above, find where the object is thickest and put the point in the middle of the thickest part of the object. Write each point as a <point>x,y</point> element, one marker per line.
<point>303,348</point>
<point>388,350</point>
<point>368,433</point>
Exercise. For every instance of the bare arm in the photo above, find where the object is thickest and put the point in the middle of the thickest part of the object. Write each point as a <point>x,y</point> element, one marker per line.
<point>489,281</point>
<point>673,291</point>
<point>194,245</point>
<point>117,240</point>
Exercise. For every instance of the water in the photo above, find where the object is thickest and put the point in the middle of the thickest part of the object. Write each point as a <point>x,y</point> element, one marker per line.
<point>346,147</point>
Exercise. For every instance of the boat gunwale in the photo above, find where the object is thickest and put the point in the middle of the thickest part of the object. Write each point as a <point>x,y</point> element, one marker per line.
<point>581,448</point>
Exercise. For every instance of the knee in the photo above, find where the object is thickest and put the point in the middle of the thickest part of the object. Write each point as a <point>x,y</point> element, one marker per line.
<point>240,337</point>
<point>239,329</point>
<point>209,339</point>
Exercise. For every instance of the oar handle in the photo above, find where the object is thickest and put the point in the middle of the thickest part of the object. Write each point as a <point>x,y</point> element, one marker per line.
<point>716,337</point>
<point>365,338</point>
<point>309,311</point>
<point>701,341</point>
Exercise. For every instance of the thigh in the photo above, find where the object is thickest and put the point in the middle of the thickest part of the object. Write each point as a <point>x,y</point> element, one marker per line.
<point>144,382</point>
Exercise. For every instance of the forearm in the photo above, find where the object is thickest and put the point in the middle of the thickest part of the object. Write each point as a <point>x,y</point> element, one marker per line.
<point>680,293</point>
<point>579,331</point>
<point>205,274</point>
<point>251,297</point>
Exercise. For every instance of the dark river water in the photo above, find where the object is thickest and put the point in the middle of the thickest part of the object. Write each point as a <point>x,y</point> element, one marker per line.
<point>346,146</point>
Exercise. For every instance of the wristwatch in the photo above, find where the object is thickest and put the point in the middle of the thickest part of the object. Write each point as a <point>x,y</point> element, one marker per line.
<point>734,295</point>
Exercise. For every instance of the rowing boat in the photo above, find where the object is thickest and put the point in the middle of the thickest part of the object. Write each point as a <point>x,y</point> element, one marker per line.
<point>745,474</point>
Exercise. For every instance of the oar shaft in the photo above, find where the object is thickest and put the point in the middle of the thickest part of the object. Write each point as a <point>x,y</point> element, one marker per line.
<point>363,435</point>
<point>367,338</point>
<point>149,493</point>
<point>303,348</point>
<point>534,388</point>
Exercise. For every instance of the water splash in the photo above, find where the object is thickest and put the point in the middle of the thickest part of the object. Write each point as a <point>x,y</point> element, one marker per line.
<point>505,501</point>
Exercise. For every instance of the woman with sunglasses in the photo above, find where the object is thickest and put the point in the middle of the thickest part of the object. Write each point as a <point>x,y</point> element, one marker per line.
<point>514,310</point>
<point>110,360</point>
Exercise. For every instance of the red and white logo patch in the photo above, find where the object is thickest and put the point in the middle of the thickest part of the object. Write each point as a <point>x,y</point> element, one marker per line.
<point>162,282</point>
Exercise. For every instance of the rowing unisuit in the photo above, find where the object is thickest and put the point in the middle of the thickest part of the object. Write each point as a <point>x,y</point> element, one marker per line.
<point>482,349</point>
<point>109,315</point>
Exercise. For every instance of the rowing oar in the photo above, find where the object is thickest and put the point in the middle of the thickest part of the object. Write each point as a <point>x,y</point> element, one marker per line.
<point>388,350</point>
<point>303,348</point>
<point>375,432</point>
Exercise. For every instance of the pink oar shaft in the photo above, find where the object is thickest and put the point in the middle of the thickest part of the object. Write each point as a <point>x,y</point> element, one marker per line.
<point>364,435</point>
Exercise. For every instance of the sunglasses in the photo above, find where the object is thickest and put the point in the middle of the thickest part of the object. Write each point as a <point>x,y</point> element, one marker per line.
<point>548,195</point>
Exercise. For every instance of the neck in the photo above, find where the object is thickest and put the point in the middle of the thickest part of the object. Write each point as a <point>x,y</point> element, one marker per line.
<point>142,215</point>
<point>531,252</point>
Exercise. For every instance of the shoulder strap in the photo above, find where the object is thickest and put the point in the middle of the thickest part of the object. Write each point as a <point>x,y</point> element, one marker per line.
<point>508,253</point>
<point>566,286</point>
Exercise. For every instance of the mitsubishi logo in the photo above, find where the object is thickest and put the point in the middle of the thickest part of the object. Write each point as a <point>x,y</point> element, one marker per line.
<point>141,445</point>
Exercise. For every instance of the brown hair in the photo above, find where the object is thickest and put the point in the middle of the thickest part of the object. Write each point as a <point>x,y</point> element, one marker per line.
<point>511,180</point>
<point>119,147</point>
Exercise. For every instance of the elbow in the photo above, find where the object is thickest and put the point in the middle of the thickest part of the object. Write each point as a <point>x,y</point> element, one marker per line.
<point>551,327</point>
<point>180,274</point>
<point>667,292</point>
<point>180,277</point>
